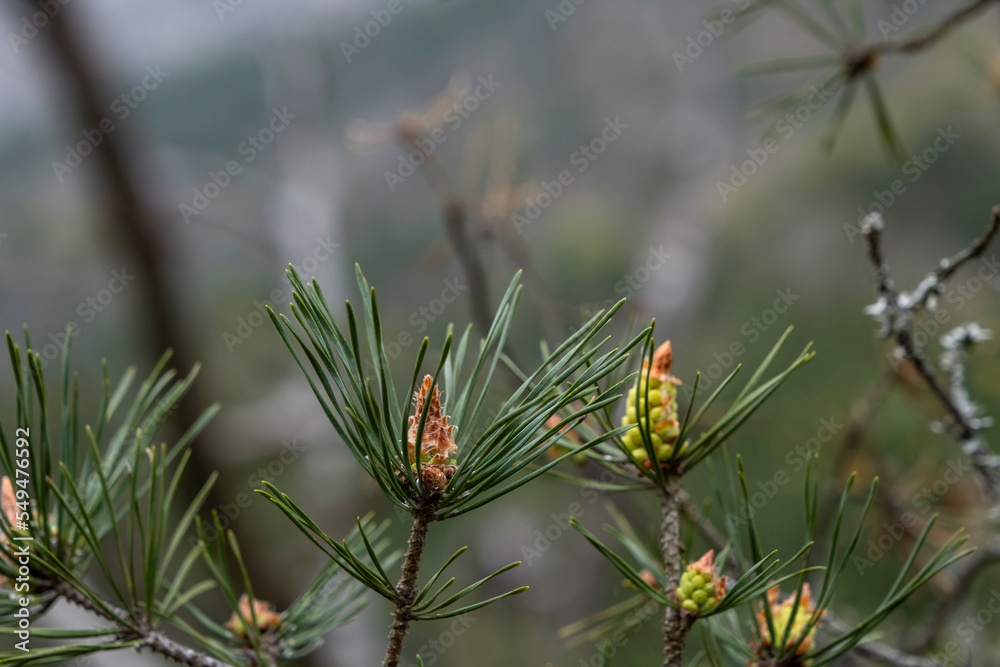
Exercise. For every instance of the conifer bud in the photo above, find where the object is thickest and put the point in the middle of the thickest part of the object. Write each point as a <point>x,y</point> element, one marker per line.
<point>701,587</point>
<point>437,445</point>
<point>263,612</point>
<point>781,617</point>
<point>653,397</point>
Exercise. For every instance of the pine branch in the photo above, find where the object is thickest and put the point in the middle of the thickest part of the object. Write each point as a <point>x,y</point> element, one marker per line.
<point>132,219</point>
<point>131,631</point>
<point>677,622</point>
<point>875,651</point>
<point>407,586</point>
<point>864,59</point>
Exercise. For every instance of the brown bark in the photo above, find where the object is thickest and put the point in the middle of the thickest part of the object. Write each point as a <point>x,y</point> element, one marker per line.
<point>676,623</point>
<point>407,587</point>
<point>139,630</point>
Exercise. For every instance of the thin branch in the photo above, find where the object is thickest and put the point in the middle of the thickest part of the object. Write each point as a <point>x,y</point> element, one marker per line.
<point>407,586</point>
<point>937,33</point>
<point>894,310</point>
<point>863,60</point>
<point>130,631</point>
<point>676,622</point>
<point>500,198</point>
<point>489,213</point>
<point>456,226</point>
<point>949,266</point>
<point>956,343</point>
<point>915,355</point>
<point>706,528</point>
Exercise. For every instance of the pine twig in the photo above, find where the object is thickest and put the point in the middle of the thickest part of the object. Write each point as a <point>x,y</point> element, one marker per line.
<point>406,589</point>
<point>875,651</point>
<point>676,623</point>
<point>130,631</point>
<point>863,60</point>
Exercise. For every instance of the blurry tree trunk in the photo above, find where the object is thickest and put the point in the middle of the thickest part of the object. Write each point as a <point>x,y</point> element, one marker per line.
<point>130,219</point>
<point>133,221</point>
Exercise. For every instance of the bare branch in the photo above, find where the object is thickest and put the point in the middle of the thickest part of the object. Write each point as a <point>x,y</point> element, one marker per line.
<point>894,311</point>
<point>931,286</point>
<point>935,34</point>
<point>865,59</point>
<point>455,223</point>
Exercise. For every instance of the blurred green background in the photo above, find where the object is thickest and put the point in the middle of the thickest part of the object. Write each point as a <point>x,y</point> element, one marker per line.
<point>317,191</point>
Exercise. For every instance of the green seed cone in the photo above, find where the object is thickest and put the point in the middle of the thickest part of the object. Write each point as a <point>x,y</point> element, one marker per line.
<point>696,592</point>
<point>658,409</point>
